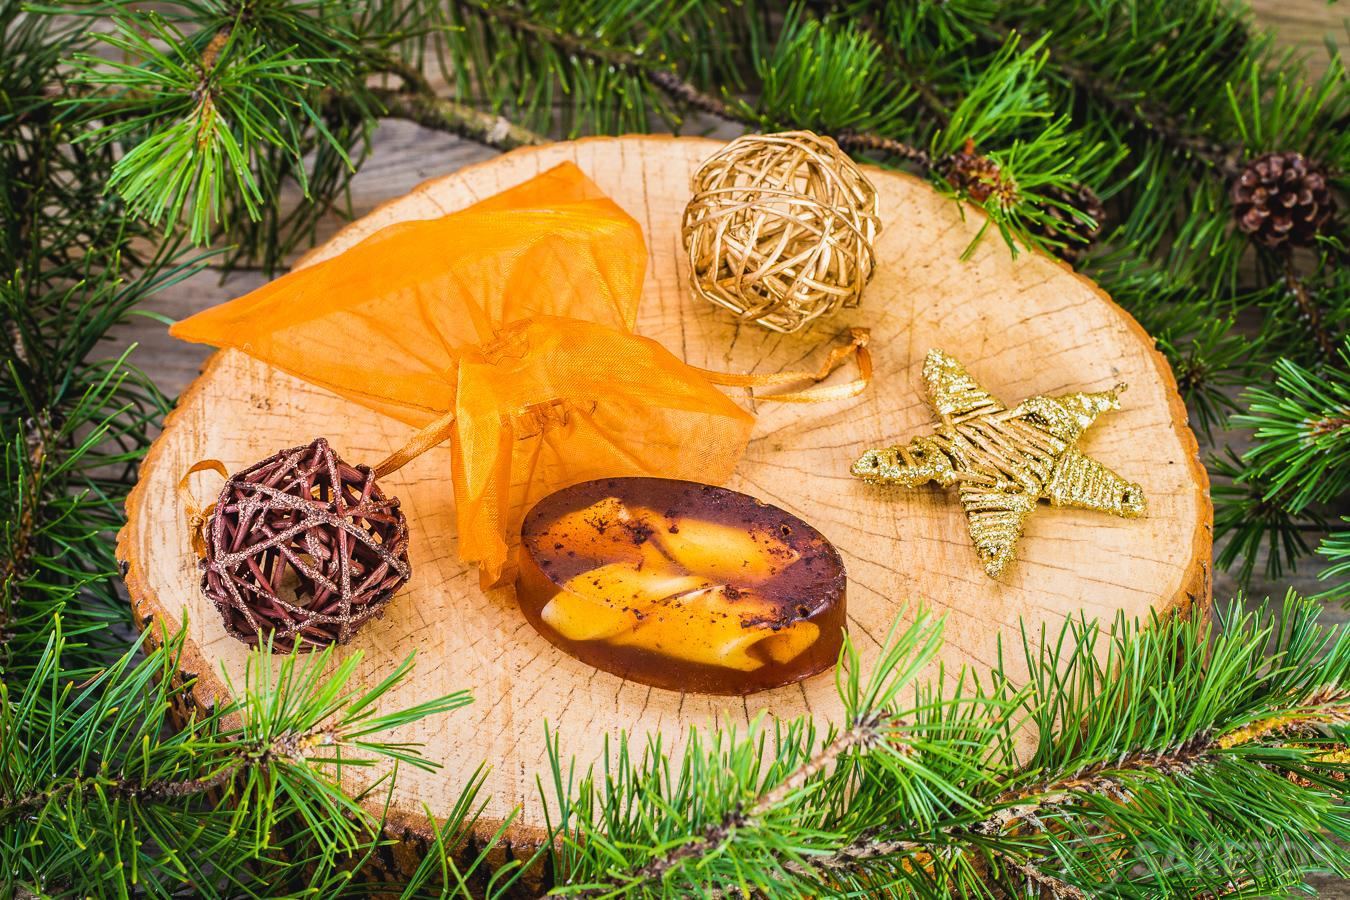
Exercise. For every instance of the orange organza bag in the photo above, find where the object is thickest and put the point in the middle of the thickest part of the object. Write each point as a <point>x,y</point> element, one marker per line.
<point>506,329</point>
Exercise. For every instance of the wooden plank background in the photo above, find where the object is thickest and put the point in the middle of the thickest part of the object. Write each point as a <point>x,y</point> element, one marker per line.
<point>405,154</point>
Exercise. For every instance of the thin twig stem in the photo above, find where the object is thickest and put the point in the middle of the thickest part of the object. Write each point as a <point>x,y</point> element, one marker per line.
<point>1312,313</point>
<point>1025,805</point>
<point>286,747</point>
<point>865,732</point>
<point>1333,424</point>
<point>936,108</point>
<point>431,111</point>
<point>212,50</point>
<point>668,81</point>
<point>14,567</point>
<point>1057,888</point>
<point>683,91</point>
<point>1145,113</point>
<point>1171,129</point>
<point>418,102</point>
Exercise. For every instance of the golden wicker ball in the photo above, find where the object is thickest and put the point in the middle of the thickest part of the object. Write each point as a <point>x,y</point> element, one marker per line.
<point>780,229</point>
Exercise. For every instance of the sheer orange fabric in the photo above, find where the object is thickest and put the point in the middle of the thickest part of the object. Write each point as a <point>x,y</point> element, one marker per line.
<point>513,318</point>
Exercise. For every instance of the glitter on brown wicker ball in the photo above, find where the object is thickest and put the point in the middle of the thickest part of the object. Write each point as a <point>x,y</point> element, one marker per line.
<point>780,229</point>
<point>1282,198</point>
<point>304,545</point>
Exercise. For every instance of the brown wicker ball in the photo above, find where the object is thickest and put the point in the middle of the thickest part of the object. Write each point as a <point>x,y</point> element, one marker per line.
<point>304,546</point>
<point>780,229</point>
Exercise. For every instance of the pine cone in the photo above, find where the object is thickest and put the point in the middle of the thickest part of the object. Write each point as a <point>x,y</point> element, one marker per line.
<point>1282,198</point>
<point>305,546</point>
<point>979,177</point>
<point>1077,235</point>
<point>976,175</point>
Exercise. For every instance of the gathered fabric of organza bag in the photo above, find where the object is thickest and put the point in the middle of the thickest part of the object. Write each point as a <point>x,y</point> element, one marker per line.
<point>506,330</point>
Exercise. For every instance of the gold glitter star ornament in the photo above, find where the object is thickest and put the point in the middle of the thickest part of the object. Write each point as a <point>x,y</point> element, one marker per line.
<point>1004,460</point>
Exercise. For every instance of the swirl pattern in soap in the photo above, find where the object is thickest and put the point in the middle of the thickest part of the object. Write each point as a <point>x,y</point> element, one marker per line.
<point>682,585</point>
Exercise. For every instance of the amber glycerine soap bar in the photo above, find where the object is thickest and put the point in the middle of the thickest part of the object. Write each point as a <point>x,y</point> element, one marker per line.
<point>682,585</point>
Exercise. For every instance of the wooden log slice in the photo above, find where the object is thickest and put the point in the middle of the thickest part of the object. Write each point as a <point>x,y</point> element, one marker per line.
<point>1024,326</point>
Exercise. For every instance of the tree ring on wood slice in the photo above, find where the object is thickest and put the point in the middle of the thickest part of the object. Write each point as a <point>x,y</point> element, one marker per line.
<point>682,586</point>
<point>1029,325</point>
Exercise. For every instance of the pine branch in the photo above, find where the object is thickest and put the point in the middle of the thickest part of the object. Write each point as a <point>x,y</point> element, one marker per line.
<point>685,93</point>
<point>1301,431</point>
<point>1047,885</point>
<point>1223,159</point>
<point>418,102</point>
<point>873,143</point>
<point>254,754</point>
<point>1023,809</point>
<point>858,737</point>
<point>124,788</point>
<point>864,734</point>
<point>209,56</point>
<point>1254,515</point>
<point>1335,547</point>
<point>1207,721</point>
<point>1241,886</point>
<point>74,799</point>
<point>19,545</point>
<point>1327,706</point>
<point>228,137</point>
<point>510,16</point>
<point>1144,113</point>
<point>440,114</point>
<point>70,420</point>
<point>667,79</point>
<point>1310,311</point>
